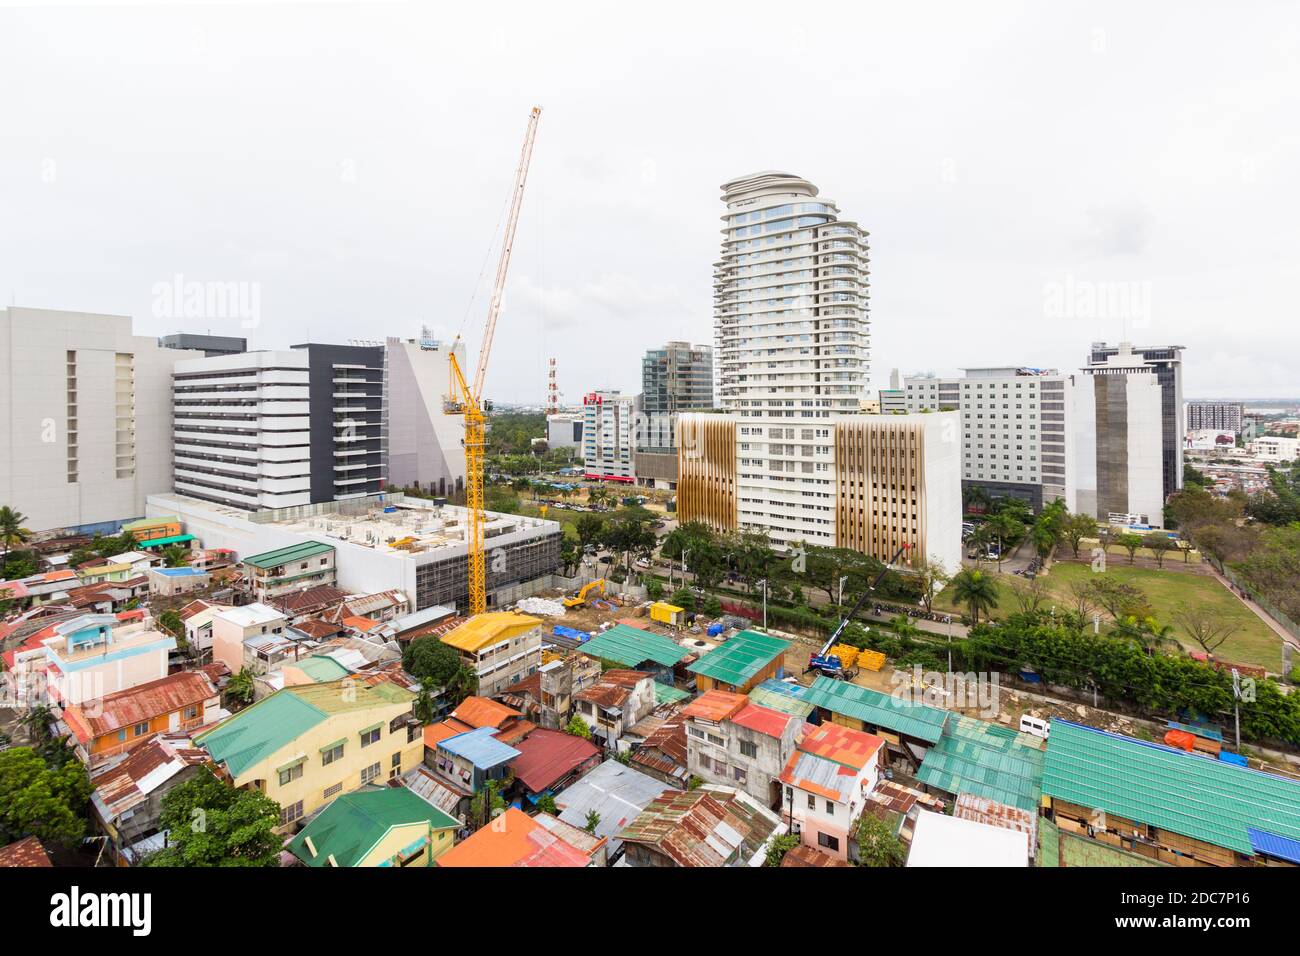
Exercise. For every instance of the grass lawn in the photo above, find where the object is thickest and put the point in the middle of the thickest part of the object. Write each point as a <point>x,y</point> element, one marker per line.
<point>1253,643</point>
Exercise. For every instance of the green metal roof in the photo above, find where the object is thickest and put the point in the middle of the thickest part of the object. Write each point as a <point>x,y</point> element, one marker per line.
<point>321,668</point>
<point>257,732</point>
<point>974,756</point>
<point>631,646</point>
<point>354,822</point>
<point>161,542</point>
<point>1209,800</point>
<point>295,552</point>
<point>895,714</point>
<point>668,695</point>
<point>770,695</point>
<point>740,658</point>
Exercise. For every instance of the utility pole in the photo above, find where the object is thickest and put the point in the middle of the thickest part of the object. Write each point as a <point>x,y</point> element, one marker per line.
<point>1236,704</point>
<point>948,621</point>
<point>764,583</point>
<point>843,578</point>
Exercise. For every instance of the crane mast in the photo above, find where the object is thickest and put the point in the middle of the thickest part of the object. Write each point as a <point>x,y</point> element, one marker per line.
<point>468,401</point>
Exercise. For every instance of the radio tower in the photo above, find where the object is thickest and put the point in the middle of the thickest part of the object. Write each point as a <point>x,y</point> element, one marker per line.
<point>552,391</point>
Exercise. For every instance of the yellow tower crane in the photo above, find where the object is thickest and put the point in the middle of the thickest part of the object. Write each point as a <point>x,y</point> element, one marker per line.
<point>468,401</point>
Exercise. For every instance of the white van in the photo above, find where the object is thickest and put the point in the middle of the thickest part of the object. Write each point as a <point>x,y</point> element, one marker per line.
<point>1035,725</point>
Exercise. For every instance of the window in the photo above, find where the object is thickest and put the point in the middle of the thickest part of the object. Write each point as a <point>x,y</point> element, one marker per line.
<point>370,774</point>
<point>830,842</point>
<point>291,813</point>
<point>191,712</point>
<point>291,774</point>
<point>397,759</point>
<point>140,729</point>
<point>830,808</point>
<point>370,737</point>
<point>330,791</point>
<point>334,753</point>
<point>748,748</point>
<point>812,802</point>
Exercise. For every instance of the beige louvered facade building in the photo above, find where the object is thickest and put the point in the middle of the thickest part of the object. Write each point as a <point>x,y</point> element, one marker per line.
<point>896,480</point>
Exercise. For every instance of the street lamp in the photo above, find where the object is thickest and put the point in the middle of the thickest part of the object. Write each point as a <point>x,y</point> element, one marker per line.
<point>842,580</point>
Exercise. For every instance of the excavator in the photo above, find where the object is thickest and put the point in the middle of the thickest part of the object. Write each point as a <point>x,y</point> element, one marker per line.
<point>579,599</point>
<point>467,399</point>
<point>831,666</point>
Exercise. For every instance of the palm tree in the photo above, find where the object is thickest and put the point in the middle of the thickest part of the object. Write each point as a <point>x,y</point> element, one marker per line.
<point>1006,528</point>
<point>12,531</point>
<point>975,589</point>
<point>176,556</point>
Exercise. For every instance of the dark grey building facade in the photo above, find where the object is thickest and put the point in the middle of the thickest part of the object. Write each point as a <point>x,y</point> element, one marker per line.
<point>1167,362</point>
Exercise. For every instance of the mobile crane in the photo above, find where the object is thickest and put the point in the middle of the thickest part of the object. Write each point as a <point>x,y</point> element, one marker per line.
<point>467,400</point>
<point>831,666</point>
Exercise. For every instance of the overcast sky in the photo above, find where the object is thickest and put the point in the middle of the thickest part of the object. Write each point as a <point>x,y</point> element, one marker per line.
<point>1033,176</point>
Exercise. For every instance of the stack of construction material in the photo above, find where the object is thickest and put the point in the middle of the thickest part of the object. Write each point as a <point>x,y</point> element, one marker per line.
<point>846,653</point>
<point>542,607</point>
<point>871,660</point>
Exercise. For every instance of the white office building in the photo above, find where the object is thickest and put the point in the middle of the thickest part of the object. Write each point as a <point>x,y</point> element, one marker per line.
<point>243,429</point>
<point>608,436</point>
<point>1017,430</point>
<point>425,444</point>
<point>85,418</point>
<point>791,336</point>
<point>1123,467</point>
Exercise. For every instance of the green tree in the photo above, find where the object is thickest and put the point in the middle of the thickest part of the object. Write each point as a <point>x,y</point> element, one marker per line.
<point>779,847</point>
<point>654,589</point>
<point>1130,543</point>
<point>430,661</point>
<point>593,821</point>
<point>975,590</point>
<point>487,804</point>
<point>931,578</point>
<point>212,824</point>
<point>1158,544</point>
<point>589,528</point>
<point>41,801</point>
<point>463,683</point>
<point>578,727</point>
<point>877,845</point>
<point>1077,527</point>
<point>240,687</point>
<point>546,804</point>
<point>171,622</point>
<point>176,556</point>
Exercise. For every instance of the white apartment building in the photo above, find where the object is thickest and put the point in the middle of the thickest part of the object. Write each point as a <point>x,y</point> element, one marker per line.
<point>1017,429</point>
<point>85,418</point>
<point>564,430</point>
<point>1123,468</point>
<point>608,436</point>
<point>424,442</point>
<point>1271,448</point>
<point>243,429</point>
<point>791,335</point>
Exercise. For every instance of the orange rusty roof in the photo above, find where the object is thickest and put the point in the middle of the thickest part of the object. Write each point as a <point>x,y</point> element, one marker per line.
<point>26,852</point>
<point>436,733</point>
<point>514,839</point>
<point>364,624</point>
<point>483,712</point>
<point>138,704</point>
<point>849,748</point>
<point>715,705</point>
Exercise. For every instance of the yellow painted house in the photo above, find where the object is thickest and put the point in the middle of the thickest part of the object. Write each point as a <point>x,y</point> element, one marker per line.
<point>303,746</point>
<point>376,826</point>
<point>503,647</point>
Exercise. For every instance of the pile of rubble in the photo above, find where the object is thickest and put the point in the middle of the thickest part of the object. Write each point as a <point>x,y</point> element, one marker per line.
<point>542,607</point>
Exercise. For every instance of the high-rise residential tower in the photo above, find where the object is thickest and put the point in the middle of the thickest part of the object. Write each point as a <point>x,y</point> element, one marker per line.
<point>791,335</point>
<point>1166,361</point>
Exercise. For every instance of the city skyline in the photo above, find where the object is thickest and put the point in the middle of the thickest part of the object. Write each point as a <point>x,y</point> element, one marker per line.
<point>1054,206</point>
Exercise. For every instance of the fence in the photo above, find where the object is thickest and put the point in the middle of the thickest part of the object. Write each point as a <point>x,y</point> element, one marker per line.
<point>1269,607</point>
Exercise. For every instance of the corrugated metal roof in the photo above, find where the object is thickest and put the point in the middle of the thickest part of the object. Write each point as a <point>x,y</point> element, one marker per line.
<point>974,756</point>
<point>514,839</point>
<point>1273,845</point>
<point>480,748</point>
<point>350,826</point>
<point>705,827</point>
<point>616,792</point>
<point>631,646</point>
<point>294,552</point>
<point>740,658</point>
<point>881,710</point>
<point>665,694</point>
<point>1209,800</point>
<point>138,704</point>
<point>547,756</point>
<point>779,695</point>
<point>483,630</point>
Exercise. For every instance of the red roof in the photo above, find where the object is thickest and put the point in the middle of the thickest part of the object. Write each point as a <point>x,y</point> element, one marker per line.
<point>26,852</point>
<point>841,745</point>
<point>766,721</point>
<point>547,756</point>
<point>138,704</point>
